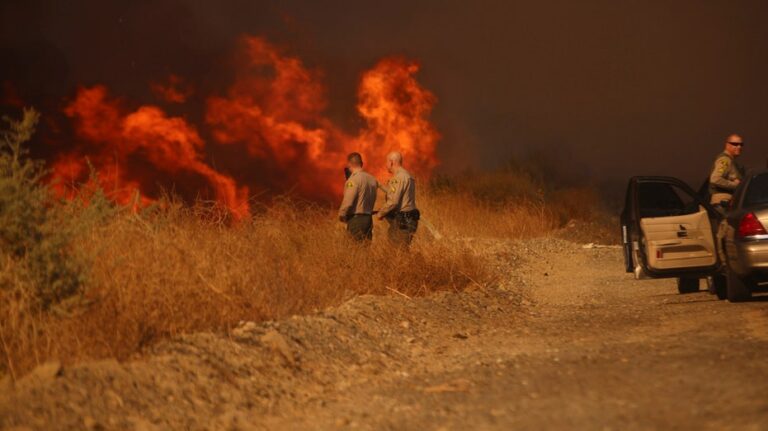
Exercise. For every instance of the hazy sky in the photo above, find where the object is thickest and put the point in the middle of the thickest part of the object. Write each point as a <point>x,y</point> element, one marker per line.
<point>607,88</point>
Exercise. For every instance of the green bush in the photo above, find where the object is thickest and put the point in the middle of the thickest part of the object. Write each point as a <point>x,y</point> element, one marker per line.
<point>33,230</point>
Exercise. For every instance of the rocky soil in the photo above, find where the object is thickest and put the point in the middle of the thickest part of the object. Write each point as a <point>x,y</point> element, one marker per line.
<point>565,340</point>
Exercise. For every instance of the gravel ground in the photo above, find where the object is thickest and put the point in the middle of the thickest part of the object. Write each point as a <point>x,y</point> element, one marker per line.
<point>565,341</point>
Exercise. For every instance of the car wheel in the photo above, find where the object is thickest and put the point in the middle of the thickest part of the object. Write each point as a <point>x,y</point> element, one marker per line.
<point>739,288</point>
<point>719,286</point>
<point>687,285</point>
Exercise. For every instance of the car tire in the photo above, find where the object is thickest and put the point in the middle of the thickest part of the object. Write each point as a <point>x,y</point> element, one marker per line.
<point>719,286</point>
<point>687,285</point>
<point>739,288</point>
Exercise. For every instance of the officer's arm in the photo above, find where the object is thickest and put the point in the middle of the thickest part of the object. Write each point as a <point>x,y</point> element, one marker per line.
<point>350,191</point>
<point>394,196</point>
<point>722,166</point>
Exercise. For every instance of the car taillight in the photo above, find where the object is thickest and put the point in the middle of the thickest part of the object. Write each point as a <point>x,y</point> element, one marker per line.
<point>751,226</point>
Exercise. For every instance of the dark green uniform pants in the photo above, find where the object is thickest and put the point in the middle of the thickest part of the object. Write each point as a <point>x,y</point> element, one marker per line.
<point>402,229</point>
<point>360,226</point>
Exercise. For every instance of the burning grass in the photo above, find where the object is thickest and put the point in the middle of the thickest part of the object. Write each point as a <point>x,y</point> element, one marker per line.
<point>170,268</point>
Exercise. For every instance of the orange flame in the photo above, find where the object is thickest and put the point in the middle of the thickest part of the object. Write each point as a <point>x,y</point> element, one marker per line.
<point>165,144</point>
<point>396,107</point>
<point>279,119</point>
<point>271,118</point>
<point>174,90</point>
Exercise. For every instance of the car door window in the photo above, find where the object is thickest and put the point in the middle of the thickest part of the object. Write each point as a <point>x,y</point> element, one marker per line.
<point>658,199</point>
<point>757,192</point>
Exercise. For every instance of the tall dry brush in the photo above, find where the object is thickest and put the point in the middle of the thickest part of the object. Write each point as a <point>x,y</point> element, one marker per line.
<point>83,279</point>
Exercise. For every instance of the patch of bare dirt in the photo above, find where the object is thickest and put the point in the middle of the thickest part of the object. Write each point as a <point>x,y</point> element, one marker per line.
<point>566,340</point>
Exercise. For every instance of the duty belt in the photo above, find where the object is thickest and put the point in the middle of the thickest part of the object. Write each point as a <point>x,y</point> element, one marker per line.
<point>412,214</point>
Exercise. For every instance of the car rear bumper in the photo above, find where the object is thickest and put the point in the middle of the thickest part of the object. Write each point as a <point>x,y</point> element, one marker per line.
<point>751,257</point>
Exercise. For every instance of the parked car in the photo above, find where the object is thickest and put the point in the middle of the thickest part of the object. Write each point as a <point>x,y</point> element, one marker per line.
<point>671,231</point>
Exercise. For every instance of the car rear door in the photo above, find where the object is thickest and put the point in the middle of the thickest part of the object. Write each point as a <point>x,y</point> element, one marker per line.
<point>668,230</point>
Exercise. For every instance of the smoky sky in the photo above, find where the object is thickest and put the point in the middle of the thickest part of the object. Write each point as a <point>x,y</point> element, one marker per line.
<point>600,89</point>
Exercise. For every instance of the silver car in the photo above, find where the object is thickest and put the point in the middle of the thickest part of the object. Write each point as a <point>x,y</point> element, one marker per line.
<point>671,231</point>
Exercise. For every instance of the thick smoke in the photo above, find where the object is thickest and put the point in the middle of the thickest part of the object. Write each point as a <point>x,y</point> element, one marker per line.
<point>602,88</point>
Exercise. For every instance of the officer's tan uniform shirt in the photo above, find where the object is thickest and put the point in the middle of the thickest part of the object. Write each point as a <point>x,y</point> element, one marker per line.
<point>401,193</point>
<point>359,194</point>
<point>722,180</point>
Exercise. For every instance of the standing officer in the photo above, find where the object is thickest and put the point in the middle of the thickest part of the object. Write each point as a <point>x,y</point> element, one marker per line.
<point>726,173</point>
<point>359,199</point>
<point>400,208</point>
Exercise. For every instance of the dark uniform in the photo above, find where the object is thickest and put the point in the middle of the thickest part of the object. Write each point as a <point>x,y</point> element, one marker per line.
<point>357,205</point>
<point>722,180</point>
<point>400,208</point>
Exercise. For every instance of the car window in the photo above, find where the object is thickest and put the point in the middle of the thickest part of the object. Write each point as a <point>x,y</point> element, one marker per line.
<point>658,199</point>
<point>757,191</point>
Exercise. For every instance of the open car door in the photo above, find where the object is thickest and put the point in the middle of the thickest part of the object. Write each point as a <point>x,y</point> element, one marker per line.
<point>668,230</point>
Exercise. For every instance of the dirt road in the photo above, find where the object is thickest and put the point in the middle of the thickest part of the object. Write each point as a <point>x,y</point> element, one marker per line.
<point>568,341</point>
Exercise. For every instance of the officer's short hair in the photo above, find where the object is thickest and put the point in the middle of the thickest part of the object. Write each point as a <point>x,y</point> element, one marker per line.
<point>355,159</point>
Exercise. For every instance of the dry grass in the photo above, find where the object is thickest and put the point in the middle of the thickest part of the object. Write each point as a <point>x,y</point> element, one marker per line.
<point>177,270</point>
<point>181,270</point>
<point>514,204</point>
<point>462,216</point>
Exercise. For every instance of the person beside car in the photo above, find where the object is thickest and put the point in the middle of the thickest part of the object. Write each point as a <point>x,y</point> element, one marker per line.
<point>726,173</point>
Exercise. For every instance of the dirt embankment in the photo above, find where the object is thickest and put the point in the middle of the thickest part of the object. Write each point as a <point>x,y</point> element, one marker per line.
<point>565,340</point>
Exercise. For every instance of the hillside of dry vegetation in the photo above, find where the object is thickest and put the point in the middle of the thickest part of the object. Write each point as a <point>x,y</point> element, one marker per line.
<point>83,278</point>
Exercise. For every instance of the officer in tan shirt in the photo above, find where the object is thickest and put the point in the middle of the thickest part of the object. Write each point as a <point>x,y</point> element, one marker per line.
<point>726,174</point>
<point>400,208</point>
<point>359,198</point>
